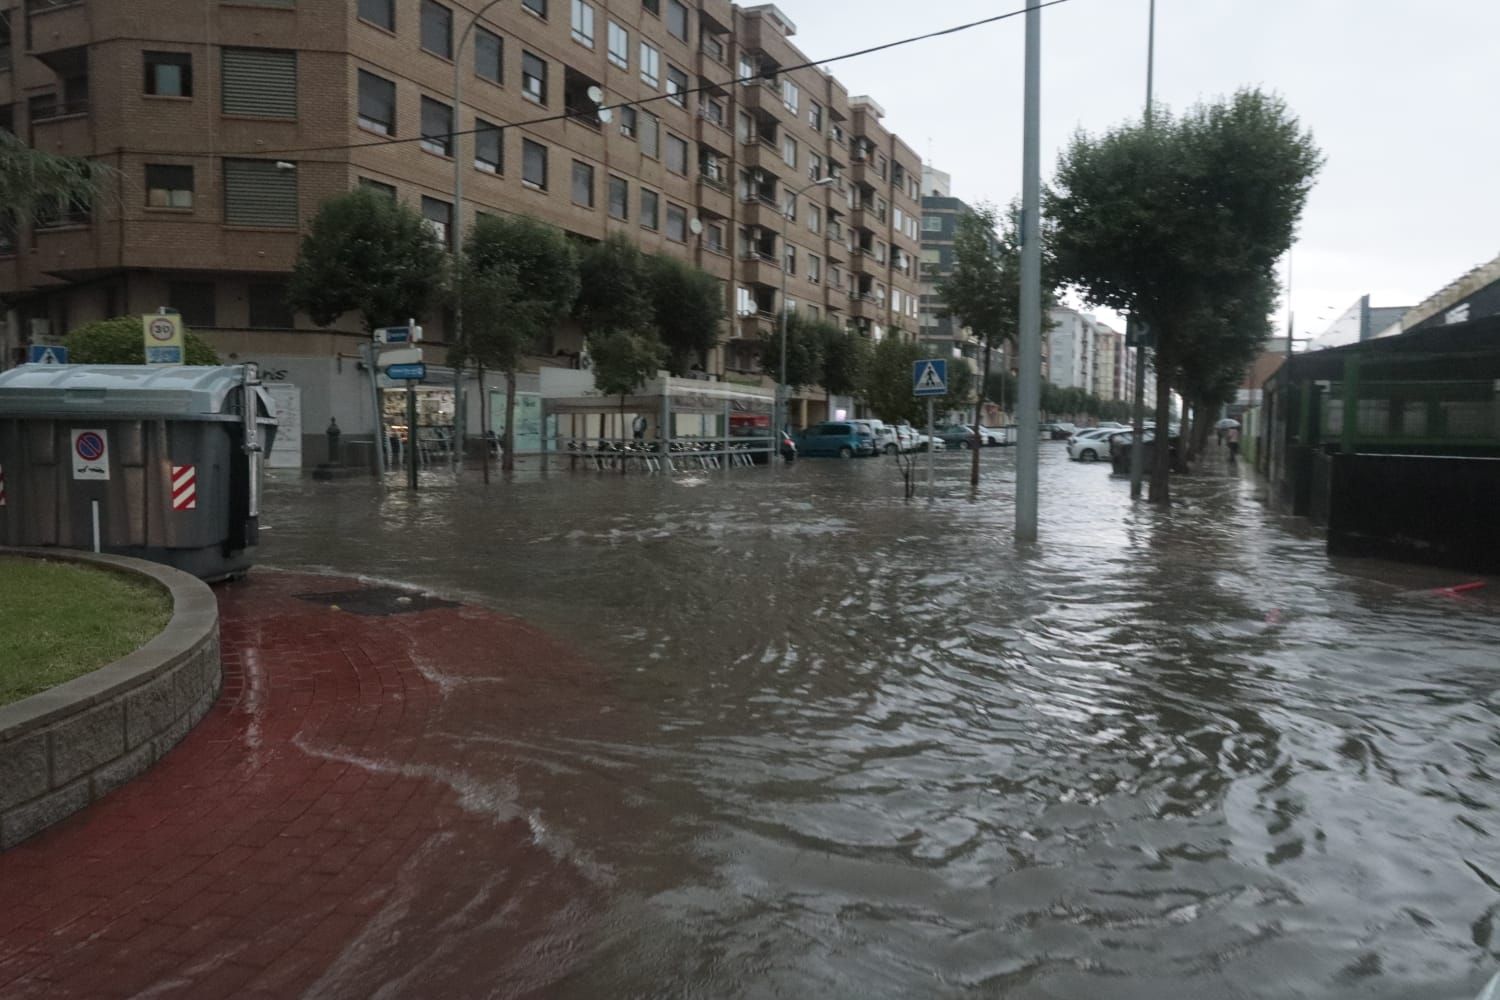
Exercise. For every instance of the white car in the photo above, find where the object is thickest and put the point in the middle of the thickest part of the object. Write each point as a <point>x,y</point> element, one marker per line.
<point>1091,445</point>
<point>912,439</point>
<point>882,433</point>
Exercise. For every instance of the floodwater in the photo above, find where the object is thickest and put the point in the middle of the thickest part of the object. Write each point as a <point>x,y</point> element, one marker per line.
<point>850,746</point>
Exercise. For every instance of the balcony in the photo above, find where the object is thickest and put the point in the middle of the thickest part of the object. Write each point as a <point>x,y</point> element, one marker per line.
<point>866,306</point>
<point>56,24</point>
<point>715,195</point>
<point>764,156</point>
<point>758,268</point>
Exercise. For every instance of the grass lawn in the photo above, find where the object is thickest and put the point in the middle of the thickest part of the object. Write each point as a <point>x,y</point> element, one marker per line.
<point>59,620</point>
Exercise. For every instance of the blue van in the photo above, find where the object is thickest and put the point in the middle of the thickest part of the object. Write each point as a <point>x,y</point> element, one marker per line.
<point>838,438</point>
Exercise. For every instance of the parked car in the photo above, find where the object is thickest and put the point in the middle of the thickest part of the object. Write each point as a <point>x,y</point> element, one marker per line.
<point>962,435</point>
<point>1060,430</point>
<point>914,440</point>
<point>837,438</point>
<point>1091,445</point>
<point>883,434</point>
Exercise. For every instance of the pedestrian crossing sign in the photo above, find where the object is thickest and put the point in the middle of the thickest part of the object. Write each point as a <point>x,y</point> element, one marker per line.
<point>930,377</point>
<point>47,354</point>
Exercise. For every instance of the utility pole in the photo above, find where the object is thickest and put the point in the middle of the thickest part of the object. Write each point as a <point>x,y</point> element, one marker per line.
<point>1029,392</point>
<point>1138,447</point>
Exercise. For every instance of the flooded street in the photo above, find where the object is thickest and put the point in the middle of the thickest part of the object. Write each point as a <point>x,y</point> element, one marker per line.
<point>849,746</point>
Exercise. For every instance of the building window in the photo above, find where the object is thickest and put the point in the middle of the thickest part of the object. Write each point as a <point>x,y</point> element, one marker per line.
<point>534,77</point>
<point>169,186</point>
<point>619,46</point>
<point>259,82</point>
<point>677,154</point>
<point>650,65</point>
<point>537,7</point>
<point>791,260</point>
<point>169,74</point>
<point>932,223</point>
<point>815,115</point>
<point>260,193</point>
<point>814,166</point>
<point>789,150</point>
<point>677,86</point>
<point>379,187</point>
<point>619,198</point>
<point>377,103</point>
<point>652,6</point>
<point>268,308</point>
<point>713,237</point>
<point>676,223</point>
<point>437,127</point>
<point>790,95</point>
<point>677,19</point>
<point>583,184</point>
<point>814,269</point>
<point>650,135</point>
<point>380,12</point>
<point>439,216</point>
<point>649,207</point>
<point>437,29</point>
<point>534,164</point>
<point>628,122</point>
<point>489,52</point>
<point>583,23</point>
<point>195,300</point>
<point>815,218</point>
<point>489,154</point>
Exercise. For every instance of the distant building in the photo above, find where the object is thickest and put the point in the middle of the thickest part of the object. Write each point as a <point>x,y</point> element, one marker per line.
<point>1074,342</point>
<point>1476,295</point>
<point>1359,322</point>
<point>943,335</point>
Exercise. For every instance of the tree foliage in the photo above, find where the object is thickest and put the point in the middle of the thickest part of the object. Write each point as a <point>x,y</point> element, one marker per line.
<point>369,254</point>
<point>846,355</point>
<point>615,294</point>
<point>520,277</point>
<point>624,361</point>
<point>1179,221</point>
<point>35,184</point>
<point>805,344</point>
<point>688,307</point>
<point>887,388</point>
<point>121,341</point>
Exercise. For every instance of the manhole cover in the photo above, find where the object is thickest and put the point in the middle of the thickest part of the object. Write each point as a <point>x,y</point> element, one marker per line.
<point>378,601</point>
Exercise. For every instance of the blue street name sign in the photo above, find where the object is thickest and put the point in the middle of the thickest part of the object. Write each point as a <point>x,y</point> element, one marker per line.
<point>930,377</point>
<point>45,354</point>
<point>410,373</point>
<point>398,335</point>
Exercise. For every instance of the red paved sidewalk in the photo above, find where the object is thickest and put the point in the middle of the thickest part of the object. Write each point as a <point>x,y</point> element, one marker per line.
<point>329,828</point>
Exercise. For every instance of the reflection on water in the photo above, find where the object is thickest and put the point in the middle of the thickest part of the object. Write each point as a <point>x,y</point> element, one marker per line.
<point>858,747</point>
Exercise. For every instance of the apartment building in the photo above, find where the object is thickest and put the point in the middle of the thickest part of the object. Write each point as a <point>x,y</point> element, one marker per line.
<point>227,122</point>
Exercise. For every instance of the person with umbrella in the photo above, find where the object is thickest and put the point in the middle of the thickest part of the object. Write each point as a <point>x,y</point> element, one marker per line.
<point>1223,426</point>
<point>1232,438</point>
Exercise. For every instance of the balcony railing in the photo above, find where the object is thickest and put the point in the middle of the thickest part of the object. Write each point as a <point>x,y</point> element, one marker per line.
<point>49,110</point>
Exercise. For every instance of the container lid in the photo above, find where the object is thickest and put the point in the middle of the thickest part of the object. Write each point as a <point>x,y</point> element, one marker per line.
<point>191,392</point>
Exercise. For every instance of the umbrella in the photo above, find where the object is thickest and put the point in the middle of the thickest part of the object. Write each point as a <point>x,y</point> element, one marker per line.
<point>1226,423</point>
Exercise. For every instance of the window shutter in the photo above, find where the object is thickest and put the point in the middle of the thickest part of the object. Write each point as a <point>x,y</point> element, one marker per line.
<point>260,82</point>
<point>256,193</point>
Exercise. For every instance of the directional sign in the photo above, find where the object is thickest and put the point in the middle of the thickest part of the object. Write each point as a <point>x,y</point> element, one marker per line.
<point>90,454</point>
<point>930,377</point>
<point>163,337</point>
<point>44,354</point>
<point>410,373</point>
<point>401,356</point>
<point>398,335</point>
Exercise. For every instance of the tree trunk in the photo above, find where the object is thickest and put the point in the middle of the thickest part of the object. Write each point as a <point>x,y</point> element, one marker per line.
<point>979,409</point>
<point>622,435</point>
<point>508,444</point>
<point>484,428</point>
<point>1161,467</point>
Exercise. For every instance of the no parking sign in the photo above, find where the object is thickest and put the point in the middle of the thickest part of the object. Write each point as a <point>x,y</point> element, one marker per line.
<point>90,454</point>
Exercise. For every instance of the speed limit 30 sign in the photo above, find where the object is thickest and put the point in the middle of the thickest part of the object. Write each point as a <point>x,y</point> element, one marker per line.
<point>164,339</point>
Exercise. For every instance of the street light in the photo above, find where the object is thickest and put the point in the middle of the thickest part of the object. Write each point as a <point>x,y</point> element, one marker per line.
<point>781,383</point>
<point>455,230</point>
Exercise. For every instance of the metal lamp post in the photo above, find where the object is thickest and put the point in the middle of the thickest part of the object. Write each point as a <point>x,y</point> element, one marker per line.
<point>781,383</point>
<point>1138,445</point>
<point>455,232</point>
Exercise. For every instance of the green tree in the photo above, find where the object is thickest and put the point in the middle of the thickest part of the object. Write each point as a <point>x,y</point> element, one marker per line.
<point>1175,220</point>
<point>36,185</point>
<point>804,353</point>
<point>623,362</point>
<point>121,341</point>
<point>845,356</point>
<point>368,254</point>
<point>887,384</point>
<point>519,278</point>
<point>688,306</point>
<point>615,293</point>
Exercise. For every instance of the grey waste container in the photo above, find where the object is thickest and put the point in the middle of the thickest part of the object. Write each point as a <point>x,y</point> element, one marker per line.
<point>156,456</point>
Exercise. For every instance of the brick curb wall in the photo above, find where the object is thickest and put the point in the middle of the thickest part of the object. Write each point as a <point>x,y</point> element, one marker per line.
<point>74,743</point>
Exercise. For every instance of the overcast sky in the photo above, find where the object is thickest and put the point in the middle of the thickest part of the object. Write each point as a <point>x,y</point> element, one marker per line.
<point>1400,95</point>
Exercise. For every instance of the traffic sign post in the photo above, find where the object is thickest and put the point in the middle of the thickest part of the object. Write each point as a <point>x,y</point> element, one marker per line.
<point>46,354</point>
<point>163,337</point>
<point>930,377</point>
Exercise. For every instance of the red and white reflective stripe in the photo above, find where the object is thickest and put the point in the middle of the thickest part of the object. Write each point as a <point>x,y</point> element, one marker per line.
<point>2,486</point>
<point>184,487</point>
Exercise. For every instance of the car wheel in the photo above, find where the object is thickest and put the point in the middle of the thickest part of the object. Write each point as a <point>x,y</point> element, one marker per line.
<point>890,449</point>
<point>846,452</point>
<point>1088,455</point>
